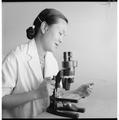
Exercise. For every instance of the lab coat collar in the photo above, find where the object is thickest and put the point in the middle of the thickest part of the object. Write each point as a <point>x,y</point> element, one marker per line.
<point>51,66</point>
<point>33,60</point>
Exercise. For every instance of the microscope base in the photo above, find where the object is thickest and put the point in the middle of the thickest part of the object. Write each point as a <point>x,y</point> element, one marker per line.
<point>64,113</point>
<point>71,107</point>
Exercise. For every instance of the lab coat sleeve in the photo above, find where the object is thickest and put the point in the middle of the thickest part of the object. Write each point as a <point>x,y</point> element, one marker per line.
<point>9,74</point>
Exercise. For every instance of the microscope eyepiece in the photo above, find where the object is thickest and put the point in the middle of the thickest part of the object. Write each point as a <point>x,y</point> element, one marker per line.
<point>67,56</point>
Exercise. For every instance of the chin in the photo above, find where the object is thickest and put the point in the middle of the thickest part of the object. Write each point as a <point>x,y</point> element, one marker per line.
<point>50,50</point>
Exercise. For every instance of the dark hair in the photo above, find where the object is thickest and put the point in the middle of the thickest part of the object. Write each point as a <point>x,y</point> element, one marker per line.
<point>50,16</point>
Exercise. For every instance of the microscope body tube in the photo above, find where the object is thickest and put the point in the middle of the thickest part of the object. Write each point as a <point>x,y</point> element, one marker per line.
<point>68,71</point>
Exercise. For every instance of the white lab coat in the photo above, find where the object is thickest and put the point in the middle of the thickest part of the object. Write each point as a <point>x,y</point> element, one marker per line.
<point>21,72</point>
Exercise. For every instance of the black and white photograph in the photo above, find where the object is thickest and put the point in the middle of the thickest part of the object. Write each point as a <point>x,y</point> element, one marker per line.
<point>59,59</point>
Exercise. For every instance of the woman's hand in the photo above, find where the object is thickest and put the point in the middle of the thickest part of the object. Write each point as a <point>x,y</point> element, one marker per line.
<point>50,86</point>
<point>84,90</point>
<point>45,89</point>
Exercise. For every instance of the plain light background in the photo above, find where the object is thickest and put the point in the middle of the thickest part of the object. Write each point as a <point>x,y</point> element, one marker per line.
<point>92,38</point>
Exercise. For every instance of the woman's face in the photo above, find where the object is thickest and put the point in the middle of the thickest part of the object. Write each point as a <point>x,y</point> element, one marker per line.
<point>54,35</point>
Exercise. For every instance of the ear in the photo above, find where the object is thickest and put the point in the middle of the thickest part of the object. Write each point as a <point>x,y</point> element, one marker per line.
<point>44,27</point>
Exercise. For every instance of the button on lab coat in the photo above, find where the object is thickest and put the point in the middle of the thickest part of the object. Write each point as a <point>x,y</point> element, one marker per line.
<point>21,72</point>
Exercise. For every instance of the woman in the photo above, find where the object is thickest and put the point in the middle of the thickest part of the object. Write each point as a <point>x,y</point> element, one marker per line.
<point>27,69</point>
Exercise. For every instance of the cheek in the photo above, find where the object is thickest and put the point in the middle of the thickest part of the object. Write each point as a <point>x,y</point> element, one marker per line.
<point>49,43</point>
<point>53,35</point>
<point>50,40</point>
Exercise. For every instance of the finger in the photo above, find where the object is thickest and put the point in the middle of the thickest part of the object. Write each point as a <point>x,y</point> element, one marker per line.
<point>52,87</point>
<point>52,82</point>
<point>89,84</point>
<point>90,89</point>
<point>48,79</point>
<point>89,92</point>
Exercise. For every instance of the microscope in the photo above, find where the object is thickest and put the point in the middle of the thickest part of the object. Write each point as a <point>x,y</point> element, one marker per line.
<point>64,106</point>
